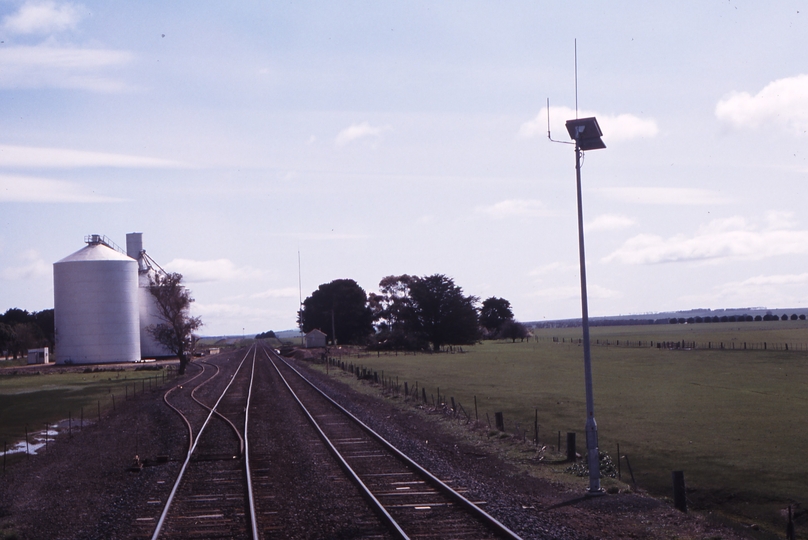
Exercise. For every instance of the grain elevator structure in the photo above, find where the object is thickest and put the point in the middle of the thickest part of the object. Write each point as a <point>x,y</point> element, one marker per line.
<point>102,304</point>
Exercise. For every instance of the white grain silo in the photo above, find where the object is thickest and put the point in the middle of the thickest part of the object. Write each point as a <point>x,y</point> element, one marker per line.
<point>96,305</point>
<point>149,315</point>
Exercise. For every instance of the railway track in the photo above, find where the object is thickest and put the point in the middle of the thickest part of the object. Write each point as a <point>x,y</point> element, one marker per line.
<point>258,462</point>
<point>411,501</point>
<point>210,496</point>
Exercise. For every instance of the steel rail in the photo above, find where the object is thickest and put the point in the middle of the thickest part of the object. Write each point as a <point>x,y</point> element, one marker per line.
<point>484,516</point>
<point>217,413</point>
<point>184,418</point>
<point>170,500</point>
<point>386,517</point>
<point>250,496</point>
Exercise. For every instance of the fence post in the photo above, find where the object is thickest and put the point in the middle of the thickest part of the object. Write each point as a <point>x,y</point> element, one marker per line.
<point>536,427</point>
<point>789,526</point>
<point>571,453</point>
<point>679,495</point>
<point>631,472</point>
<point>500,421</point>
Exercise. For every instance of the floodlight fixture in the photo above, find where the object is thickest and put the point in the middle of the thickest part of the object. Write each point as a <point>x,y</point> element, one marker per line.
<point>586,133</point>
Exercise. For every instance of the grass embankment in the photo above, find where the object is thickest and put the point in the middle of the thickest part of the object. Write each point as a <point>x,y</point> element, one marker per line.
<point>731,419</point>
<point>33,397</point>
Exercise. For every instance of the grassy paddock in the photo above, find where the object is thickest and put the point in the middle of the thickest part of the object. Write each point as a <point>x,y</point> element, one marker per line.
<point>731,419</point>
<point>31,399</point>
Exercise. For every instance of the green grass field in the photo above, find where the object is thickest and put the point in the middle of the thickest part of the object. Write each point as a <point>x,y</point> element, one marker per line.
<point>733,420</point>
<point>28,399</point>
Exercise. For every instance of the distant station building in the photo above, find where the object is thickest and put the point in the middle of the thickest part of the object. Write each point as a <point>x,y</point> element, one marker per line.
<point>314,339</point>
<point>38,356</point>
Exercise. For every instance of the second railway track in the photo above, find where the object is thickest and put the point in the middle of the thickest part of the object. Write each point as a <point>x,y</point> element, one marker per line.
<point>410,501</point>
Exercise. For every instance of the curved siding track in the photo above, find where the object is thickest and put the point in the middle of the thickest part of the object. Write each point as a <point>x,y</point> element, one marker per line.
<point>209,498</point>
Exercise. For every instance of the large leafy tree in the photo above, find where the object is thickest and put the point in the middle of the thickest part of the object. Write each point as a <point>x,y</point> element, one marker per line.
<point>391,308</point>
<point>393,314</point>
<point>513,330</point>
<point>173,301</point>
<point>339,307</point>
<point>441,312</point>
<point>494,313</point>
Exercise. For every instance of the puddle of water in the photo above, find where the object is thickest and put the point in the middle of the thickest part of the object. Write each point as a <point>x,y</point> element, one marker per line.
<point>36,439</point>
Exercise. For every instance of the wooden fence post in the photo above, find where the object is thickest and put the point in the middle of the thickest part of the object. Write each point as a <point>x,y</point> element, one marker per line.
<point>679,495</point>
<point>571,453</point>
<point>536,427</point>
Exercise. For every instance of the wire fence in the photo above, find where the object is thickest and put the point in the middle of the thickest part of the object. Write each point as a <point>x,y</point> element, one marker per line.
<point>692,345</point>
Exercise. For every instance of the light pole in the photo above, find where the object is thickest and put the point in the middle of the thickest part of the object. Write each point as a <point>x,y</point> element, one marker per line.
<point>587,136</point>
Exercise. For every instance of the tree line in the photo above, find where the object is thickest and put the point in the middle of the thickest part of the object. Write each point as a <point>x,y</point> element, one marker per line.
<point>21,330</point>
<point>736,318</point>
<point>408,313</point>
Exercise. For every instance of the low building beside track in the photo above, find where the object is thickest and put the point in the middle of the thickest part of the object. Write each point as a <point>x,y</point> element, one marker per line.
<point>314,339</point>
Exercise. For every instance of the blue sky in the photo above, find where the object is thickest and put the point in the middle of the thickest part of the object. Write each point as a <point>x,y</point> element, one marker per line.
<point>410,137</point>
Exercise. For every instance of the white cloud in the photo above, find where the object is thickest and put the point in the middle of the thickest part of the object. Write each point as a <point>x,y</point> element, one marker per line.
<point>212,270</point>
<point>619,127</point>
<point>513,208</point>
<point>776,290</point>
<point>40,157</point>
<point>44,66</point>
<point>43,190</point>
<point>573,292</point>
<point>42,18</point>
<point>32,267</point>
<point>780,279</point>
<point>783,102</point>
<point>610,222</point>
<point>554,267</point>
<point>286,292</point>
<point>732,238</point>
<point>231,311</point>
<point>358,131</point>
<point>664,195</point>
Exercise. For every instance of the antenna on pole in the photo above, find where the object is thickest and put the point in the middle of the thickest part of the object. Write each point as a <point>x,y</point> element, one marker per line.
<point>576,78</point>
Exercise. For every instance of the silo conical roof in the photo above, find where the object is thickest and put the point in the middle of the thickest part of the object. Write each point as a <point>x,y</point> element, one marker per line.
<point>95,252</point>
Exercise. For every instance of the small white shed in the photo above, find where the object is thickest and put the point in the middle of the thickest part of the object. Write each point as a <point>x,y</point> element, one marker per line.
<point>314,339</point>
<point>38,356</point>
